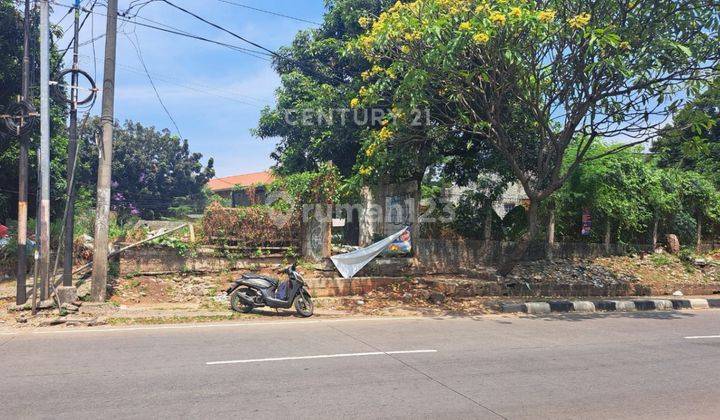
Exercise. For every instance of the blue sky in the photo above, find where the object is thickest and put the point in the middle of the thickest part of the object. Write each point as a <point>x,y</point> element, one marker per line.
<point>215,94</point>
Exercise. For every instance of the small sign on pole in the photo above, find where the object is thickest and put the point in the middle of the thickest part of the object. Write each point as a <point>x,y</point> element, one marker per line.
<point>586,223</point>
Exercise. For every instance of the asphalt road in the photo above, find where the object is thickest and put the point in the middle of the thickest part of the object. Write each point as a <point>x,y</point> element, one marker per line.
<point>638,365</point>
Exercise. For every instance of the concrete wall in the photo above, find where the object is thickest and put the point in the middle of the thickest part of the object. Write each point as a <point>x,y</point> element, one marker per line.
<point>387,208</point>
<point>456,256</point>
<point>165,260</point>
<point>431,257</point>
<point>316,238</point>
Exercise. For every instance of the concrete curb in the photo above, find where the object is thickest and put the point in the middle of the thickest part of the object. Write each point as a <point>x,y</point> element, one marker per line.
<point>536,308</point>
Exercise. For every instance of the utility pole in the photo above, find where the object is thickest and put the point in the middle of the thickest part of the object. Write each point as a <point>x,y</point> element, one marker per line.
<point>102,215</point>
<point>21,294</point>
<point>44,148</point>
<point>72,157</point>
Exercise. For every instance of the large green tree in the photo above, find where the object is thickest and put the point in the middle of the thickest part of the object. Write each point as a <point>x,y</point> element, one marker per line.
<point>614,190</point>
<point>564,70</point>
<point>692,142</point>
<point>11,53</point>
<point>318,74</point>
<point>154,172</point>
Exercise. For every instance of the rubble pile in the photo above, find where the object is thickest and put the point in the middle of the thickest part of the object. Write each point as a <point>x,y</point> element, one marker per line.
<point>569,273</point>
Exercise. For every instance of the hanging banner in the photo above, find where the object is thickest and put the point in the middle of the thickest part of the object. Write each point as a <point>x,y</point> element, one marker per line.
<point>586,223</point>
<point>400,246</point>
<point>349,264</point>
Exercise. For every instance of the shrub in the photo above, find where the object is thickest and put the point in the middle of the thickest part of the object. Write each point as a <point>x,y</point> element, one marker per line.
<point>249,226</point>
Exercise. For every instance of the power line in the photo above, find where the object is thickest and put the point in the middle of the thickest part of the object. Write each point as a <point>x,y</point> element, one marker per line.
<point>208,90</point>
<point>215,25</point>
<point>270,12</point>
<point>240,37</point>
<point>152,83</point>
<point>254,53</point>
<point>62,56</point>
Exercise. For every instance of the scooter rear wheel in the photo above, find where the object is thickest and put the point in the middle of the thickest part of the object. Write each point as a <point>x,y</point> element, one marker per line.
<point>304,305</point>
<point>237,304</point>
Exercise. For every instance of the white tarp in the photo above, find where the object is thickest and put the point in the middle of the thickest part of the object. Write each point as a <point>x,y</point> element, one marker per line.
<point>349,264</point>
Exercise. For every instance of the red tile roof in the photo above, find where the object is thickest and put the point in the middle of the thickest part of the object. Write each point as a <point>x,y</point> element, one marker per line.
<point>243,180</point>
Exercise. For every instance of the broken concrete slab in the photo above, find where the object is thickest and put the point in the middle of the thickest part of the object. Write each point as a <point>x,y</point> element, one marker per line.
<point>66,294</point>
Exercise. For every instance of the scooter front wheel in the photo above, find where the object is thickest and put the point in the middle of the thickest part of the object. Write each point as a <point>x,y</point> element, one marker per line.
<point>304,305</point>
<point>237,304</point>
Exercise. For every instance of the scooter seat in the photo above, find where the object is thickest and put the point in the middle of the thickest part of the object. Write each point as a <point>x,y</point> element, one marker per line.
<point>269,279</point>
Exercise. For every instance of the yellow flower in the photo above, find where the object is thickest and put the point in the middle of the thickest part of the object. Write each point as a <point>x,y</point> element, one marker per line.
<point>365,171</point>
<point>547,15</point>
<point>405,49</point>
<point>371,150</point>
<point>354,103</point>
<point>366,43</point>
<point>579,21</point>
<point>364,22</point>
<point>465,26</point>
<point>481,9</point>
<point>481,37</point>
<point>385,133</point>
<point>412,36</point>
<point>624,45</point>
<point>497,18</point>
<point>363,92</point>
<point>515,12</point>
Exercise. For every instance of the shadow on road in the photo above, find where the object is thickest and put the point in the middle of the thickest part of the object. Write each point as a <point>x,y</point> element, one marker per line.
<point>577,317</point>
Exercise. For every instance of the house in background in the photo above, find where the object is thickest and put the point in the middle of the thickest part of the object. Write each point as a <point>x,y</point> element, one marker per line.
<point>513,196</point>
<point>243,190</point>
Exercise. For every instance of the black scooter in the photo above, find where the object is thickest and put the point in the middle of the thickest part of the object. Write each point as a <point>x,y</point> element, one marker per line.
<point>256,291</point>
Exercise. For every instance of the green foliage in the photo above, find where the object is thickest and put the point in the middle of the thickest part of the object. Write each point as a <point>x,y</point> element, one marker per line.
<point>176,242</point>
<point>319,74</point>
<point>692,142</point>
<point>613,188</point>
<point>661,259</point>
<point>319,187</point>
<point>154,173</point>
<point>470,216</point>
<point>539,83</point>
<point>11,52</point>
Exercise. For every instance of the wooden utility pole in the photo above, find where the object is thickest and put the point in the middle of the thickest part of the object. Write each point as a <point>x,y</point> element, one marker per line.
<point>21,295</point>
<point>44,148</point>
<point>102,215</point>
<point>72,149</point>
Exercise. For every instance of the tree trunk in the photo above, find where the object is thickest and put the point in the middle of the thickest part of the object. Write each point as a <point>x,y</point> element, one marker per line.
<point>551,232</point>
<point>698,245</point>
<point>551,227</point>
<point>656,222</point>
<point>523,243</point>
<point>608,233</point>
<point>487,229</point>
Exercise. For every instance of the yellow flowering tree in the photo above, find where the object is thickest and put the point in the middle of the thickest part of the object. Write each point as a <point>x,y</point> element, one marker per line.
<point>530,78</point>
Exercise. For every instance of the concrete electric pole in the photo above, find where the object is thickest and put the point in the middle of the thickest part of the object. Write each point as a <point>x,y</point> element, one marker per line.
<point>44,198</point>
<point>21,295</point>
<point>100,257</point>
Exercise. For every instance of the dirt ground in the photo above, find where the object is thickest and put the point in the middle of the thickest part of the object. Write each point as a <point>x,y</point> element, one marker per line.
<point>201,298</point>
<point>665,273</point>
